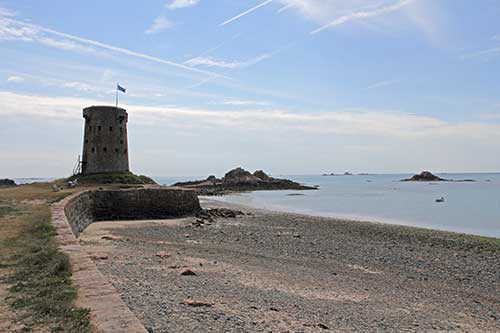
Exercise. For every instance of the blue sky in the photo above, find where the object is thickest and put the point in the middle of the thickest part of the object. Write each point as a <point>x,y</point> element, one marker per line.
<point>290,86</point>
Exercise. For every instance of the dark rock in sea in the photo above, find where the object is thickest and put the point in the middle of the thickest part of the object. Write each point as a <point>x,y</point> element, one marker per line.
<point>212,179</point>
<point>261,175</point>
<point>240,180</point>
<point>347,174</point>
<point>7,182</point>
<point>240,176</point>
<point>425,176</point>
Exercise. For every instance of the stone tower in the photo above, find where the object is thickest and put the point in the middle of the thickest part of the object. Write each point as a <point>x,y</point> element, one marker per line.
<point>105,147</point>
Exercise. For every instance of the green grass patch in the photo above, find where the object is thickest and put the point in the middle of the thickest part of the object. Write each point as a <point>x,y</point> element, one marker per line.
<point>6,210</point>
<point>113,178</point>
<point>41,283</point>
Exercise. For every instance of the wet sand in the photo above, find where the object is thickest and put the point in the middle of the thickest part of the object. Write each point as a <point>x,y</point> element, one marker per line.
<point>280,272</point>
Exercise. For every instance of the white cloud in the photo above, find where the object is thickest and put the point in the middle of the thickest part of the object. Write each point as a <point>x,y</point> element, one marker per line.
<point>161,23</point>
<point>381,139</point>
<point>176,4</point>
<point>426,15</point>
<point>213,62</point>
<point>495,51</point>
<point>239,102</point>
<point>6,12</point>
<point>382,84</point>
<point>355,122</point>
<point>15,78</point>
<point>64,44</point>
<point>360,15</point>
<point>11,31</point>
<point>78,86</point>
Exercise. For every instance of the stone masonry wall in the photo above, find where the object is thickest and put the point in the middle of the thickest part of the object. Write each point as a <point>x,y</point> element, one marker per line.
<point>105,143</point>
<point>133,204</point>
<point>70,216</point>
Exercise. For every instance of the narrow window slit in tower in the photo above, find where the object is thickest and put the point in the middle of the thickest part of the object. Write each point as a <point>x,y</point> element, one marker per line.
<point>99,128</point>
<point>93,150</point>
<point>105,149</point>
<point>110,128</point>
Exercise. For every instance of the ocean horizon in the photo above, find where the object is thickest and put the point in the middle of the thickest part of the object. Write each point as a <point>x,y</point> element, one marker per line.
<point>469,207</point>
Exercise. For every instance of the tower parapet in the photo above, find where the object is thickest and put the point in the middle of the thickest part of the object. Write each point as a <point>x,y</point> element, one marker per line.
<point>105,143</point>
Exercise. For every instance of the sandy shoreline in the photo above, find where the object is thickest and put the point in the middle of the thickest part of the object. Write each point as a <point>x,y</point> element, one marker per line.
<point>277,272</point>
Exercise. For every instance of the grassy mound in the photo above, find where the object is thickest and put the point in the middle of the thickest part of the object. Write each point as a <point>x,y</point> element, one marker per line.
<point>113,178</point>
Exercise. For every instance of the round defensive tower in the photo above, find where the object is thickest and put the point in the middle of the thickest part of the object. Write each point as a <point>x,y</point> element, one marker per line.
<point>105,144</point>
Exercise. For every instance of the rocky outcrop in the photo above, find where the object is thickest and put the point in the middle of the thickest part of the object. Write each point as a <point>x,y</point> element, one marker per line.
<point>425,176</point>
<point>262,175</point>
<point>240,177</point>
<point>240,180</point>
<point>7,182</point>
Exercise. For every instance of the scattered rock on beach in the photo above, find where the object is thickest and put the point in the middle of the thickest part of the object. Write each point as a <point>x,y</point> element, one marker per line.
<point>194,303</point>
<point>111,238</point>
<point>99,256</point>
<point>188,272</point>
<point>163,254</point>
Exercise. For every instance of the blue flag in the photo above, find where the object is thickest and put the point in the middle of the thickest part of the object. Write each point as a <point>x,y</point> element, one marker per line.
<point>120,88</point>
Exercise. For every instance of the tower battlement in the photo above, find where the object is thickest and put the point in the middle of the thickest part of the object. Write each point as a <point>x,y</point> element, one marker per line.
<point>105,143</point>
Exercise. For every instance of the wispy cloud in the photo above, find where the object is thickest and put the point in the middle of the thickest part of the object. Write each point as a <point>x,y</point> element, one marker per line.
<point>176,4</point>
<point>495,51</point>
<point>6,12</point>
<point>15,78</point>
<point>285,8</point>
<point>362,15</point>
<point>239,102</point>
<point>12,29</point>
<point>161,23</point>
<point>246,12</point>
<point>382,84</point>
<point>78,86</point>
<point>213,62</point>
<point>496,37</point>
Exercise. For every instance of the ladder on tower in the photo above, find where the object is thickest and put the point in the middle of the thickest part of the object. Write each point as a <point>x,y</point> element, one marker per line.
<point>78,167</point>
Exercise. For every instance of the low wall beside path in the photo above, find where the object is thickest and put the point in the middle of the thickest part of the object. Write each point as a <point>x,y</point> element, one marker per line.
<point>132,204</point>
<point>70,216</point>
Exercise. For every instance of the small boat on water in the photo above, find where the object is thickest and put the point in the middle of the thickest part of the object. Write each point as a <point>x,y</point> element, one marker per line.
<point>440,199</point>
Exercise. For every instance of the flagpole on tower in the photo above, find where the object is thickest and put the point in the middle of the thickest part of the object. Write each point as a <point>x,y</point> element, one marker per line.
<point>118,89</point>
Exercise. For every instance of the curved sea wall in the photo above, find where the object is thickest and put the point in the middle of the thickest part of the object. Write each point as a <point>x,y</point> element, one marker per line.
<point>70,216</point>
<point>134,204</point>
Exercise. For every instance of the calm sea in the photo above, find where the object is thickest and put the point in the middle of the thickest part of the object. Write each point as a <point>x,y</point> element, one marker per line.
<point>472,208</point>
<point>469,207</point>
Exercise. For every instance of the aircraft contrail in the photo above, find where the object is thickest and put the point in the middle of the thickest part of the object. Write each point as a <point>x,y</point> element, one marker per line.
<point>246,12</point>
